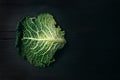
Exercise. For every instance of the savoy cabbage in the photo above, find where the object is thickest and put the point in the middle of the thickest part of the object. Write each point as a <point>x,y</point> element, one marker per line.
<point>38,38</point>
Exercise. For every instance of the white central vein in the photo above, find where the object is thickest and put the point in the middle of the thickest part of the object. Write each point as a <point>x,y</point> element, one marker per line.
<point>47,39</point>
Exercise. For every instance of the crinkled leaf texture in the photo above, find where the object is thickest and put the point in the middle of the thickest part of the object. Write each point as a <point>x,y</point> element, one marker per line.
<point>38,39</point>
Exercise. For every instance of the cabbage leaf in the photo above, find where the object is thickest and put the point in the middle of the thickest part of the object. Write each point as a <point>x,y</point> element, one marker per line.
<point>38,38</point>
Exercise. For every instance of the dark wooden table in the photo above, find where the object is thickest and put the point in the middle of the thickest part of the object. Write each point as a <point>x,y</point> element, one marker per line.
<point>92,33</point>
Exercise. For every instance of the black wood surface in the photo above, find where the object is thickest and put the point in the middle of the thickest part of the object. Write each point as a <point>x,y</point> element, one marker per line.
<point>92,33</point>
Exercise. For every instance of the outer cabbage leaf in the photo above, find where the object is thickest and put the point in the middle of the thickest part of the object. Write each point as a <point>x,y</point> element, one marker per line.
<point>38,39</point>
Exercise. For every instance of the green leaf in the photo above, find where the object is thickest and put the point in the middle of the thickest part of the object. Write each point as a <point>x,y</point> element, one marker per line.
<point>38,39</point>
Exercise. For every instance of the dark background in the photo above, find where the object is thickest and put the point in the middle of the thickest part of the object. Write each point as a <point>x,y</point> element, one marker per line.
<point>92,34</point>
